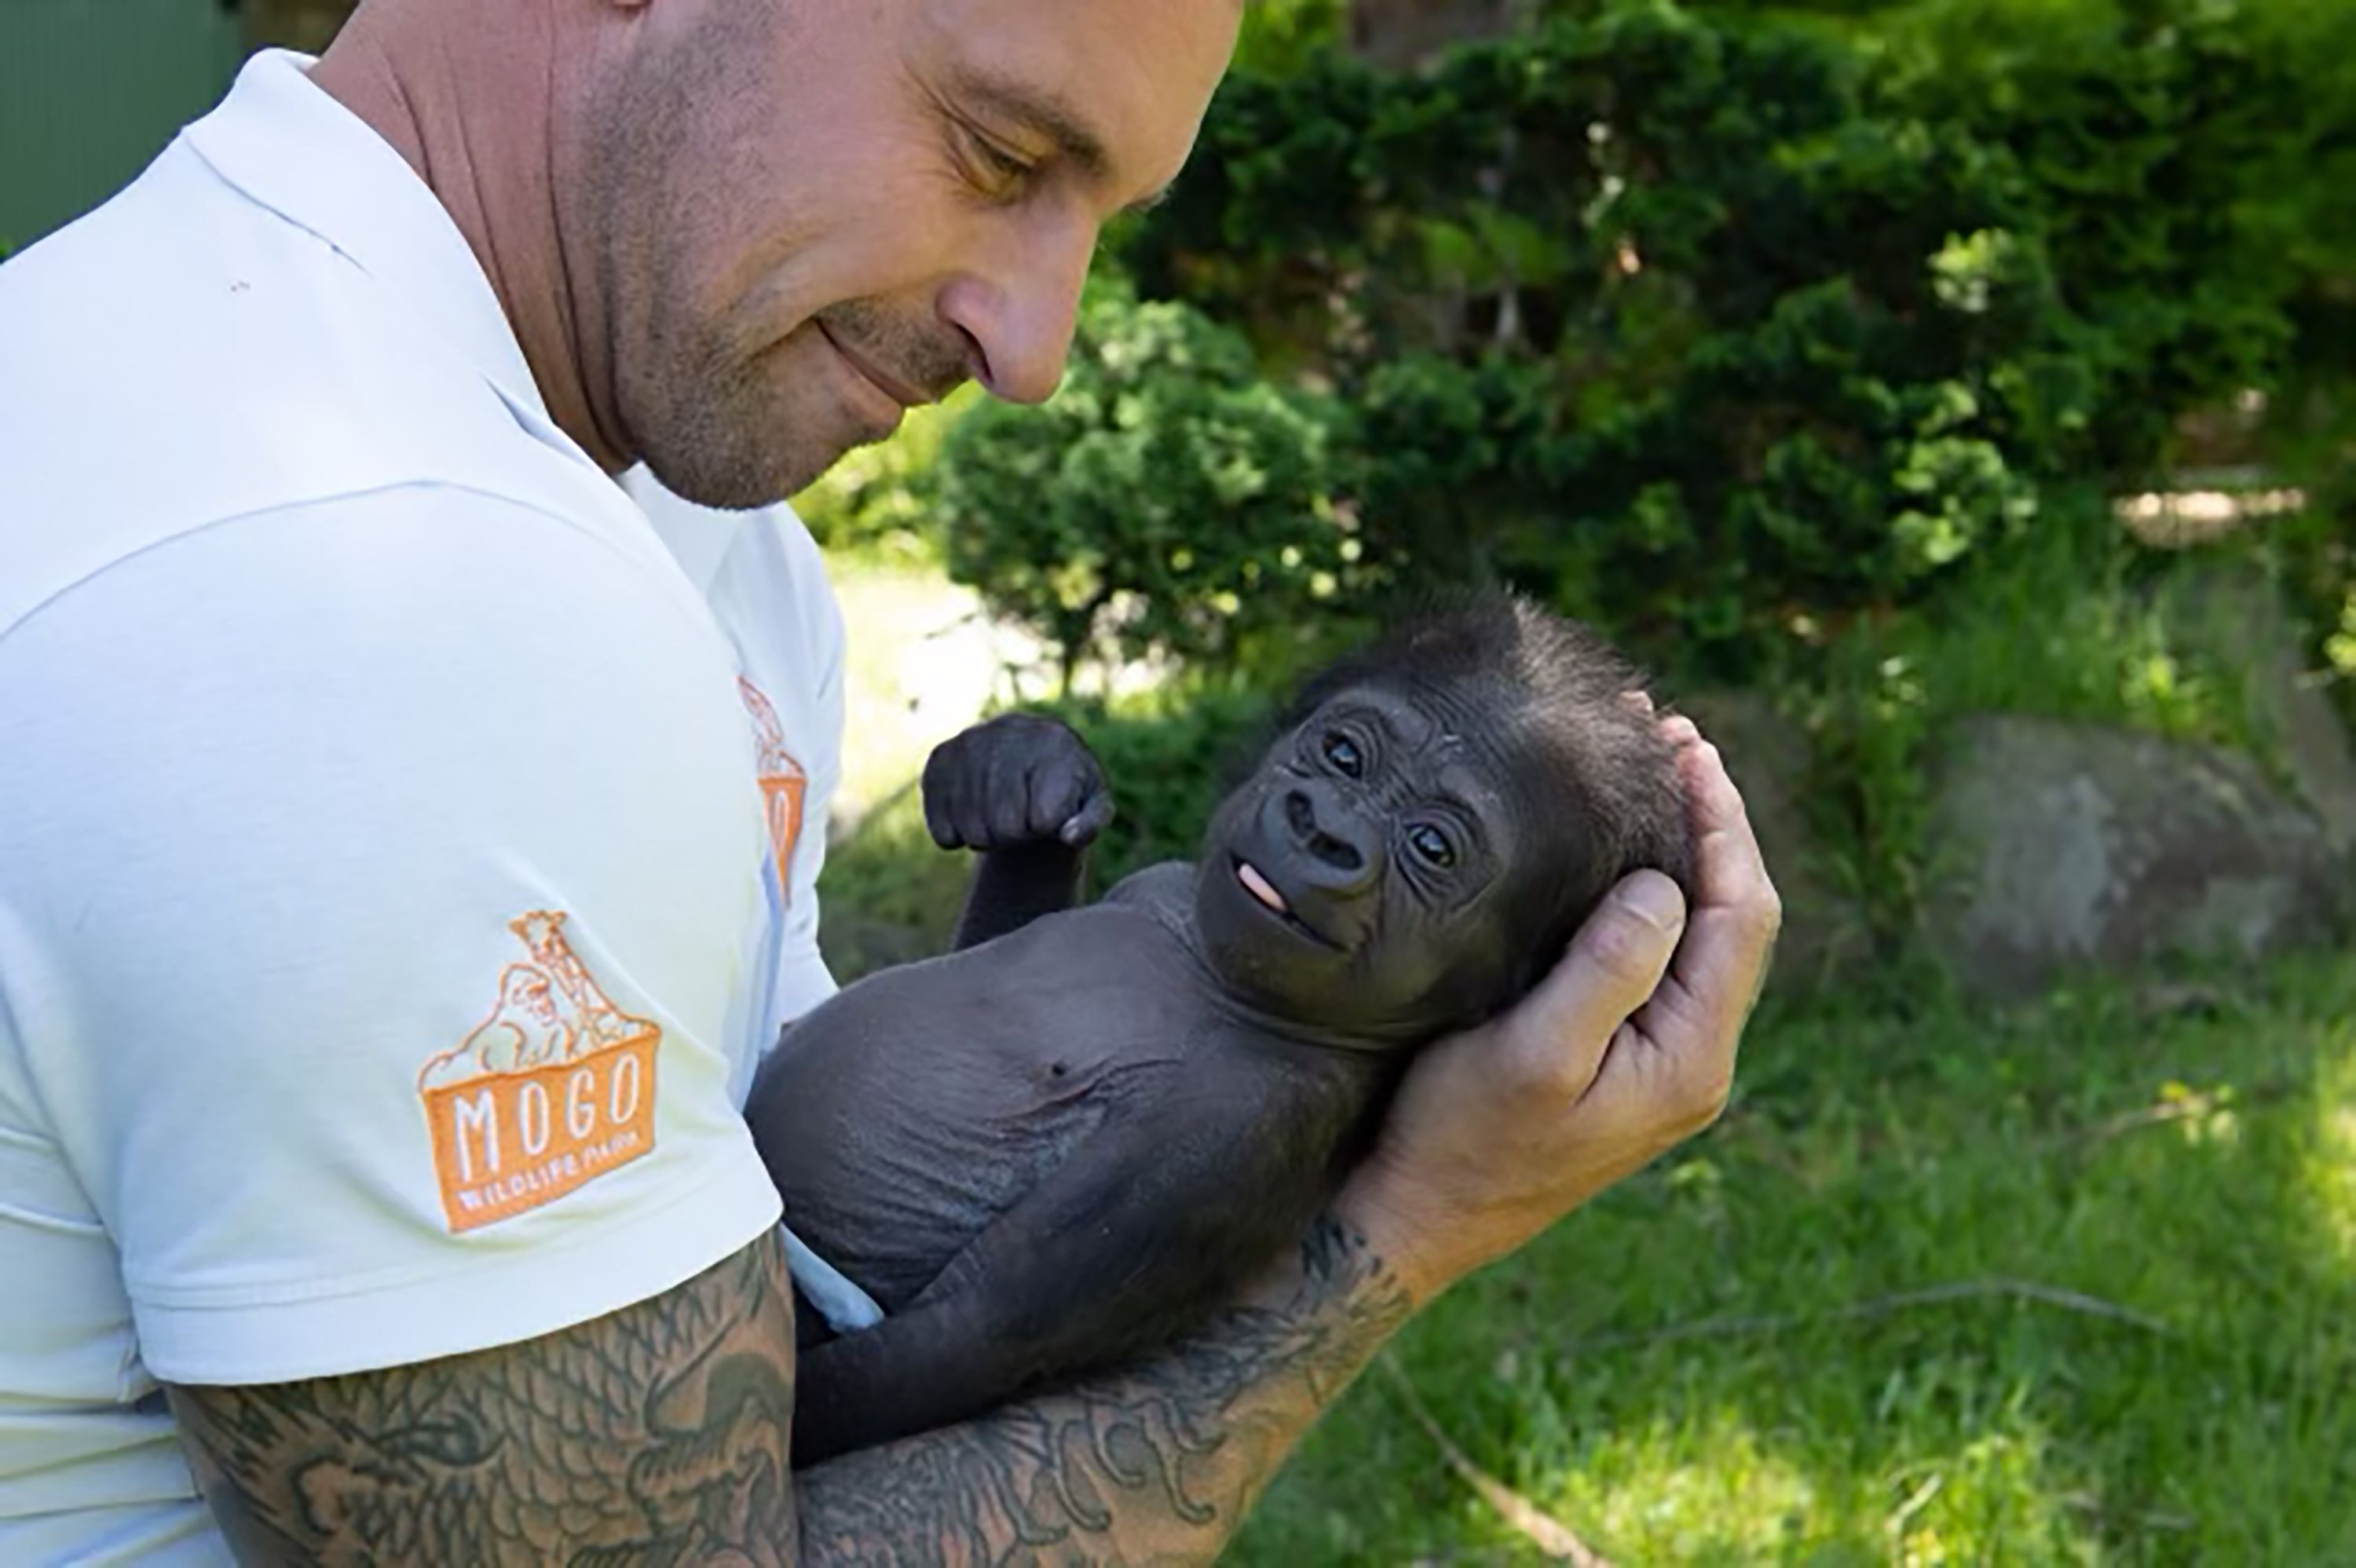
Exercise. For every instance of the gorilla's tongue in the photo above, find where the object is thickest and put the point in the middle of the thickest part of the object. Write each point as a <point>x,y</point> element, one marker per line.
<point>1260,888</point>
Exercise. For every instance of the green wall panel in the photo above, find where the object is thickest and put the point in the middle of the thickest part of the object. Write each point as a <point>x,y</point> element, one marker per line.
<point>92,89</point>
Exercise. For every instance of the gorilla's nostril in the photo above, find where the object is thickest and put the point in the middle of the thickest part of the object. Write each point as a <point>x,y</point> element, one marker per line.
<point>1297,812</point>
<point>1333,852</point>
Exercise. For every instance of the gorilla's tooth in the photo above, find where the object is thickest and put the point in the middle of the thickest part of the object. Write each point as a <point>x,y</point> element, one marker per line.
<point>1260,888</point>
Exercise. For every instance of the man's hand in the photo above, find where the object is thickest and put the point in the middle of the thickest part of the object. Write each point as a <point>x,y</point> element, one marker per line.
<point>1016,780</point>
<point>1501,1130</point>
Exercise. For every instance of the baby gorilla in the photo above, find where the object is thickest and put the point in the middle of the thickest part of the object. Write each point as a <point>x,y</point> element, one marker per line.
<point>1084,1129</point>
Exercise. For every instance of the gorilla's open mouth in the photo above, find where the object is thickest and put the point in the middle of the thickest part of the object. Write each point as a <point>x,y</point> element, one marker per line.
<point>1264,892</point>
<point>1260,888</point>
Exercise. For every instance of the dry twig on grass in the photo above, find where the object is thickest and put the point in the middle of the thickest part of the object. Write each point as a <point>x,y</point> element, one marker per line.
<point>1545,1531</point>
<point>1882,1307</point>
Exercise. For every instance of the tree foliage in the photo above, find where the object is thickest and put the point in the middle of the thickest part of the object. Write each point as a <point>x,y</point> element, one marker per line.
<point>1168,499</point>
<point>1720,329</point>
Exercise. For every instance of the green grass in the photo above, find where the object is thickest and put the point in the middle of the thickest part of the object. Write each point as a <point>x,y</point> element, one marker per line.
<point>2195,1167</point>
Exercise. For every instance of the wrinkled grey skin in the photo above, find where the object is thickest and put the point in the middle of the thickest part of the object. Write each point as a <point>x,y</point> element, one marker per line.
<point>1082,1131</point>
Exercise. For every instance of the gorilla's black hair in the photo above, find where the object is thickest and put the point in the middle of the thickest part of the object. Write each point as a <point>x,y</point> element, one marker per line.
<point>1517,660</point>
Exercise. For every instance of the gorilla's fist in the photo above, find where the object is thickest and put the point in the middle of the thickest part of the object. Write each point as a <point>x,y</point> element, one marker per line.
<point>1016,780</point>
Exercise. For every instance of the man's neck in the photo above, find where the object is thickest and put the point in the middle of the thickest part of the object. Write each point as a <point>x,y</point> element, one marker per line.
<point>472,116</point>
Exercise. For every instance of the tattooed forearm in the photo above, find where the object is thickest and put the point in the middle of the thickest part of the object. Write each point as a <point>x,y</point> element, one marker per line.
<point>659,1436</point>
<point>1155,1464</point>
<point>656,1434</point>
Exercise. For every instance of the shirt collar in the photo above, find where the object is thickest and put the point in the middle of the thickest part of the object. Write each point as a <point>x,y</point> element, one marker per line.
<point>289,145</point>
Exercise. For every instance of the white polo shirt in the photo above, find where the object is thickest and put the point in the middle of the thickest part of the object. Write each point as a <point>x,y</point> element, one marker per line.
<point>407,842</point>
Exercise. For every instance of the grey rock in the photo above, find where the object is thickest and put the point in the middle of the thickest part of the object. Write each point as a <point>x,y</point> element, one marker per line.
<point>2058,846</point>
<point>2235,615</point>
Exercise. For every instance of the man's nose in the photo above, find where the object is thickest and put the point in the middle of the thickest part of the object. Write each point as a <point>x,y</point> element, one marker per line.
<point>1018,307</point>
<point>1341,851</point>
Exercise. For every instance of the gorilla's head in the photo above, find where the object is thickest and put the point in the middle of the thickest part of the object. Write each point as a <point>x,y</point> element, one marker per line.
<point>1439,812</point>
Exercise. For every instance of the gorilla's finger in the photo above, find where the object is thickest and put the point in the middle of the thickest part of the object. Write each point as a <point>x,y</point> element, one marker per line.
<point>1091,819</point>
<point>1004,800</point>
<point>970,800</point>
<point>938,788</point>
<point>1059,785</point>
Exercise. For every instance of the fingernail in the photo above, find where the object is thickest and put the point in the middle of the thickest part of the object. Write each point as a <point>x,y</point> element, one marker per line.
<point>1655,900</point>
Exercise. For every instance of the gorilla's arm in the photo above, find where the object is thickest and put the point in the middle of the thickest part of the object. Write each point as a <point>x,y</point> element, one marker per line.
<point>1027,793</point>
<point>1140,1233</point>
<point>1015,886</point>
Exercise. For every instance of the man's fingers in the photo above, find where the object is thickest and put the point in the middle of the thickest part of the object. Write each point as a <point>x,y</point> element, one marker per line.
<point>1696,1019</point>
<point>1557,1035</point>
<point>1730,870</point>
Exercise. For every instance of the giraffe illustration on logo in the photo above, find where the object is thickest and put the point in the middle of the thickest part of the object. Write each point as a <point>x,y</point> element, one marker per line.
<point>555,1087</point>
<point>783,783</point>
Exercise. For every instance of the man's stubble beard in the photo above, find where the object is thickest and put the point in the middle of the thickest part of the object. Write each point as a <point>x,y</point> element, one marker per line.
<point>709,426</point>
<point>707,415</point>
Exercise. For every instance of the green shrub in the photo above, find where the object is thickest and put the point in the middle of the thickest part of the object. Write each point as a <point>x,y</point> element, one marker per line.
<point>876,502</point>
<point>1655,314</point>
<point>2171,149</point>
<point>1280,37</point>
<point>1694,322</point>
<point>1167,500</point>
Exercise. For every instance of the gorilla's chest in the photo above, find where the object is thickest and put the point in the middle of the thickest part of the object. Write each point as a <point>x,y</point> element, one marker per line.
<point>903,1117</point>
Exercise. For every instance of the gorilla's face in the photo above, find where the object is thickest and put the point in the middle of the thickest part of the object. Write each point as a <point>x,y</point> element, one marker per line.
<point>1382,872</point>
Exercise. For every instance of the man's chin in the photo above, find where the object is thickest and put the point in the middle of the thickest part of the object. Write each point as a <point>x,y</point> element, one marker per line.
<point>738,481</point>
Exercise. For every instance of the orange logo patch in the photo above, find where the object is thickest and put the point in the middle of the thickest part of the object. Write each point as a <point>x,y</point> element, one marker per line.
<point>782,781</point>
<point>555,1087</point>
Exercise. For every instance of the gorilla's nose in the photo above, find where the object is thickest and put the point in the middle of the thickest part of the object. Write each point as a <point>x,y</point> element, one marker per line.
<point>1338,850</point>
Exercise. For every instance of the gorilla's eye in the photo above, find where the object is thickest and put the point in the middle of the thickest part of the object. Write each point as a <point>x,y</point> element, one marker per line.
<point>1344,753</point>
<point>1431,844</point>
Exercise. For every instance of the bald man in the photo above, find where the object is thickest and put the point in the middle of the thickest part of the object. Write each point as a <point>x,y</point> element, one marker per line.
<point>377,680</point>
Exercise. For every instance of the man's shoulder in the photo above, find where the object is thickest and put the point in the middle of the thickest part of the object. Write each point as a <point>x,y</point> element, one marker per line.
<point>182,356</point>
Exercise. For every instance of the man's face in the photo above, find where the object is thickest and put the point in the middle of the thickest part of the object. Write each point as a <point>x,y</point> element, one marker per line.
<point>808,214</point>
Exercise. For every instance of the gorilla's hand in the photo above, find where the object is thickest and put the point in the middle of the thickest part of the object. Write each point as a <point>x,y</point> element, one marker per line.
<point>1615,1056</point>
<point>1016,780</point>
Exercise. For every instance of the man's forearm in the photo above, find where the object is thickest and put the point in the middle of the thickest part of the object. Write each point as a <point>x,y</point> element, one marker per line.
<point>656,1434</point>
<point>1156,1463</point>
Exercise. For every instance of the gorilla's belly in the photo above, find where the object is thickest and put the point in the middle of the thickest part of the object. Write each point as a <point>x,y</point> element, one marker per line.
<point>924,1111</point>
<point>905,1197</point>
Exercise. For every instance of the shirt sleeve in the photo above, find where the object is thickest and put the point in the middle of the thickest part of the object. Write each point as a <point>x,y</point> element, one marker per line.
<point>379,876</point>
<point>804,980</point>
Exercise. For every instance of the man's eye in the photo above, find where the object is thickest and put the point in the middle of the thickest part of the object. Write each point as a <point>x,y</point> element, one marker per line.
<point>998,172</point>
<point>1344,753</point>
<point>1431,844</point>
